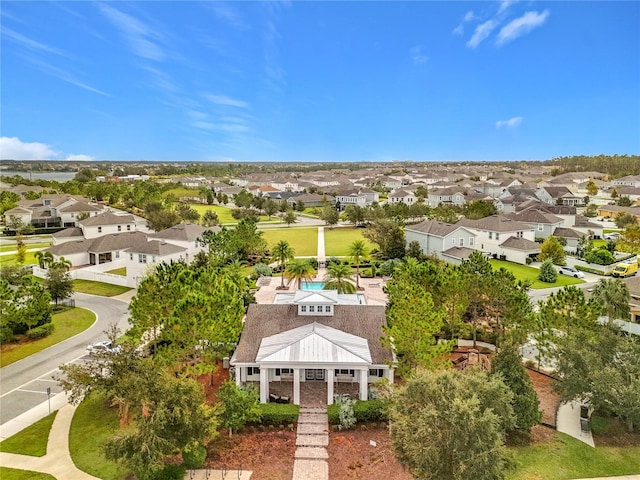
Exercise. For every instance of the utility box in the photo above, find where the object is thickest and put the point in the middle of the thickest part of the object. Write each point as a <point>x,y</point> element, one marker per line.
<point>225,362</point>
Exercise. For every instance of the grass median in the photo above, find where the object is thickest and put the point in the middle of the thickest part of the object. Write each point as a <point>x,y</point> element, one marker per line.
<point>524,272</point>
<point>32,440</point>
<point>67,324</point>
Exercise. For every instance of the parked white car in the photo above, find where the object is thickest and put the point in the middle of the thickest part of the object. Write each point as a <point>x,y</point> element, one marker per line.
<point>104,346</point>
<point>611,236</point>
<point>572,272</point>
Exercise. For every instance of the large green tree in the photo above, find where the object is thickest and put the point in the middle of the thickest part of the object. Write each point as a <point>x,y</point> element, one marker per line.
<point>389,236</point>
<point>451,425</point>
<point>507,363</point>
<point>552,249</point>
<point>239,405</point>
<point>299,270</point>
<point>412,325</point>
<point>59,283</point>
<point>612,295</point>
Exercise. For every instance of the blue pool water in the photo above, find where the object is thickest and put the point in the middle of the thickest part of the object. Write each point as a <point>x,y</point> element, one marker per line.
<point>312,285</point>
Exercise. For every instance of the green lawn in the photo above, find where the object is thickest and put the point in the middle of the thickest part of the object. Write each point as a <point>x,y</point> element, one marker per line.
<point>13,474</point>
<point>11,259</point>
<point>67,324</point>
<point>224,214</point>
<point>92,425</point>
<point>303,240</point>
<point>566,458</point>
<point>118,271</point>
<point>338,240</point>
<point>30,246</point>
<point>524,272</point>
<point>32,440</point>
<point>98,288</point>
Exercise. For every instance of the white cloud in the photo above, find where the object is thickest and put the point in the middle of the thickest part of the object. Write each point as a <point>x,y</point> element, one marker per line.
<point>80,158</point>
<point>31,44</point>
<point>459,30</point>
<point>140,37</point>
<point>228,14</point>
<point>64,75</point>
<point>511,123</point>
<point>504,4</point>
<point>224,100</point>
<point>418,56</point>
<point>469,16</point>
<point>521,26</point>
<point>12,148</point>
<point>481,32</point>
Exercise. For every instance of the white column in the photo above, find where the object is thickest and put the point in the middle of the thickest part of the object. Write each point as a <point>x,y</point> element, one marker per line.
<point>264,385</point>
<point>296,386</point>
<point>364,384</point>
<point>389,375</point>
<point>329,386</point>
<point>238,375</point>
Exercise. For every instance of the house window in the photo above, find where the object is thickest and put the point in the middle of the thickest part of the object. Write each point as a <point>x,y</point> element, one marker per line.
<point>490,235</point>
<point>376,372</point>
<point>497,236</point>
<point>327,308</point>
<point>519,234</point>
<point>99,229</point>
<point>471,240</point>
<point>142,258</point>
<point>319,308</point>
<point>131,256</point>
<point>128,227</point>
<point>253,370</point>
<point>312,308</point>
<point>153,259</point>
<point>119,228</point>
<point>72,215</point>
<point>345,372</point>
<point>117,253</point>
<point>303,308</point>
<point>540,227</point>
<point>280,371</point>
<point>461,242</point>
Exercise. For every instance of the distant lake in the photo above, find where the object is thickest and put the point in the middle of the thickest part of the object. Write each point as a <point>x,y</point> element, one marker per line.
<point>59,176</point>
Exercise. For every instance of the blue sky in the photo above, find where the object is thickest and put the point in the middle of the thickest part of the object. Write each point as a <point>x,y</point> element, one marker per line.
<point>319,81</point>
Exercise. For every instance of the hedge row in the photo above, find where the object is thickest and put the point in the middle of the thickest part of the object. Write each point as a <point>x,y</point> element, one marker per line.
<point>40,332</point>
<point>364,411</point>
<point>589,270</point>
<point>278,413</point>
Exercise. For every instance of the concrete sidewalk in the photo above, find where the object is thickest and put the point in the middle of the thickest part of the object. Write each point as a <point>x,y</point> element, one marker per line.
<point>568,422</point>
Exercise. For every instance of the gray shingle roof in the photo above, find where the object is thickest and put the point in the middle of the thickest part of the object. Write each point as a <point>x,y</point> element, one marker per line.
<point>461,253</point>
<point>265,320</point>
<point>184,232</point>
<point>68,232</point>
<point>495,223</point>
<point>156,247</point>
<point>563,232</point>
<point>107,218</point>
<point>433,227</point>
<point>520,244</point>
<point>116,241</point>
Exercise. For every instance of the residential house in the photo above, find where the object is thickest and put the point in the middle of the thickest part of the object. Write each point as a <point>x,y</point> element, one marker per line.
<point>361,197</point>
<point>612,211</point>
<point>318,336</point>
<point>436,238</point>
<point>402,196</point>
<point>310,200</point>
<point>446,196</point>
<point>53,210</point>
<point>544,223</point>
<point>559,196</point>
<point>106,223</point>
<point>628,181</point>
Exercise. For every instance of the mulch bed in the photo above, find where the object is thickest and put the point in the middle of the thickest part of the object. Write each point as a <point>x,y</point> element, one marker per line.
<point>549,400</point>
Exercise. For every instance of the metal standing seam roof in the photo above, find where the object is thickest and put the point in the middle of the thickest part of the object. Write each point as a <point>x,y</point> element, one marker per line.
<point>316,343</point>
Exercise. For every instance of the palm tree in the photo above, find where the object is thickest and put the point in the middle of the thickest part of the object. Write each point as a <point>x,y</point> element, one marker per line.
<point>357,251</point>
<point>339,278</point>
<point>62,263</point>
<point>299,270</point>
<point>283,252</point>
<point>613,297</point>
<point>47,259</point>
<point>39,255</point>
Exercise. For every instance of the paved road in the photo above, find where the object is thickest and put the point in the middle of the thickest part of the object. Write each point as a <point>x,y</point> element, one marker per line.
<point>23,384</point>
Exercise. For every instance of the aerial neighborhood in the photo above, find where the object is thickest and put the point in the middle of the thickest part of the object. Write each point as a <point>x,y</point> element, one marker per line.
<point>303,321</point>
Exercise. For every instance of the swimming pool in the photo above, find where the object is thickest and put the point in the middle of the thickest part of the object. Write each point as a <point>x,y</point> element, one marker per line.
<point>312,285</point>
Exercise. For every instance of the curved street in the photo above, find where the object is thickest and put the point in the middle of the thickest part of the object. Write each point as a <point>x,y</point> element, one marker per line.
<point>23,384</point>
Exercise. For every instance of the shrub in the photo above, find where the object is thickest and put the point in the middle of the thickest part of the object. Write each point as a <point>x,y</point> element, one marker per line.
<point>40,332</point>
<point>600,425</point>
<point>171,472</point>
<point>548,273</point>
<point>363,410</point>
<point>601,257</point>
<point>590,270</point>
<point>278,413</point>
<point>6,335</point>
<point>366,273</point>
<point>529,260</point>
<point>262,270</point>
<point>346,415</point>
<point>195,457</point>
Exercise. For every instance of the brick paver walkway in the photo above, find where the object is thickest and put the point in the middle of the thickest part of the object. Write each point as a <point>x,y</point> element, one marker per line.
<point>313,437</point>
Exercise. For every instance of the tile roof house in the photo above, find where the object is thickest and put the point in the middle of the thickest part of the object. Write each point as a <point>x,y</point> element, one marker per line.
<point>53,210</point>
<point>314,338</point>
